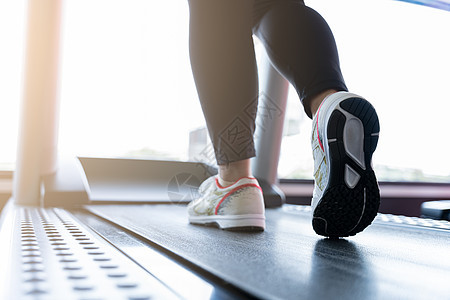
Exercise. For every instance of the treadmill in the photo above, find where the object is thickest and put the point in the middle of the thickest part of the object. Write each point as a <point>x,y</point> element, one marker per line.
<point>112,228</point>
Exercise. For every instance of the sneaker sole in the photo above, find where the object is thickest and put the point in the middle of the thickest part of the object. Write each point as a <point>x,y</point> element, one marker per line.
<point>351,200</point>
<point>253,222</point>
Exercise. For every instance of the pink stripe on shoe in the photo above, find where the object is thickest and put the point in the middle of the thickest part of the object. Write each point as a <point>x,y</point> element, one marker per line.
<point>234,190</point>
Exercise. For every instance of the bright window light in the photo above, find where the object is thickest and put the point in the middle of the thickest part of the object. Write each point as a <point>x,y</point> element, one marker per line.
<point>12,26</point>
<point>395,54</point>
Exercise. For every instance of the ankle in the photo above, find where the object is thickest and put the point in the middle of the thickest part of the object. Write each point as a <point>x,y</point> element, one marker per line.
<point>317,100</point>
<point>235,170</point>
<point>223,182</point>
<point>228,178</point>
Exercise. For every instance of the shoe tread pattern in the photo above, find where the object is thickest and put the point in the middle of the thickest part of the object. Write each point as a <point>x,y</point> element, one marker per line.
<point>342,211</point>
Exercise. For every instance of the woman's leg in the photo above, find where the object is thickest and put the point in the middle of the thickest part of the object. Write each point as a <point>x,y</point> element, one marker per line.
<point>301,46</point>
<point>224,67</point>
<point>345,127</point>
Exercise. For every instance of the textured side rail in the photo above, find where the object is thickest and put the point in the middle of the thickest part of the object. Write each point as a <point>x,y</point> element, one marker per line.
<point>52,256</point>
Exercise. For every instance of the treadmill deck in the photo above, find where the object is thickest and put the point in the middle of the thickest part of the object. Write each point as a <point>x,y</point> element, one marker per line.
<point>390,259</point>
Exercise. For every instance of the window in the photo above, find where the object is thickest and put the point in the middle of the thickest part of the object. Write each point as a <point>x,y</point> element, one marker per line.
<point>127,87</point>
<point>395,54</point>
<point>12,26</point>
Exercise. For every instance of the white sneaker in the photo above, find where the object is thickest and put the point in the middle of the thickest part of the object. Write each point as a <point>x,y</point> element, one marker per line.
<point>344,136</point>
<point>237,206</point>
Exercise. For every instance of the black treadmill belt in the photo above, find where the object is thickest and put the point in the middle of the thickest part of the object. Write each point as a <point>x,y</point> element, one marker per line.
<point>290,261</point>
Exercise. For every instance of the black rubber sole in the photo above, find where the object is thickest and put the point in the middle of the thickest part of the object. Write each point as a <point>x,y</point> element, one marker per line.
<point>344,211</point>
<point>235,229</point>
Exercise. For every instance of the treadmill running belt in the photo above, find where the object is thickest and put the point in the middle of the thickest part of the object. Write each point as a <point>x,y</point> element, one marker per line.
<point>289,261</point>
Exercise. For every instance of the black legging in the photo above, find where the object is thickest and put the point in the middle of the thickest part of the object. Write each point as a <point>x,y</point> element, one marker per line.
<point>300,46</point>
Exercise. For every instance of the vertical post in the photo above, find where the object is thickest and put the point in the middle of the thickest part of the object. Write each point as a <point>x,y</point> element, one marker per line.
<point>37,143</point>
<point>269,130</point>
